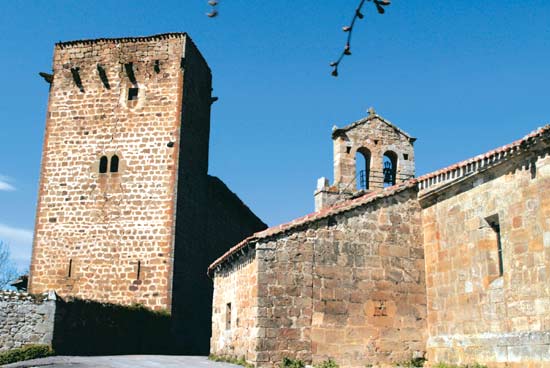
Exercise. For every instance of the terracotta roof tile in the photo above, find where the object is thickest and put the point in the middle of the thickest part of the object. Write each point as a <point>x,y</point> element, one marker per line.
<point>500,150</point>
<point>368,197</point>
<point>315,216</point>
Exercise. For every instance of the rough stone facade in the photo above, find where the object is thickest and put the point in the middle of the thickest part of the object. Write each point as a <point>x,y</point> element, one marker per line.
<point>235,312</point>
<point>125,200</point>
<point>475,311</point>
<point>452,265</point>
<point>26,319</point>
<point>344,286</point>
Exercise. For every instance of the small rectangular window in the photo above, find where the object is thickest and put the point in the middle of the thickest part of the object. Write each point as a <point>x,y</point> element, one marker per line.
<point>228,316</point>
<point>405,156</point>
<point>133,94</point>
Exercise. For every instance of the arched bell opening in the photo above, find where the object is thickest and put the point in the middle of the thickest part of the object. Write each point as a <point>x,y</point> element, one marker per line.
<point>390,168</point>
<point>362,168</point>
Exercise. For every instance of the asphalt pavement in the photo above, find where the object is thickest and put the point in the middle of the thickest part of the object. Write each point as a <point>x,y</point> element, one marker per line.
<point>122,361</point>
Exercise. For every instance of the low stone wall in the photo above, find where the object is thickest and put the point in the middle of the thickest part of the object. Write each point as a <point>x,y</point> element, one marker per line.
<point>26,319</point>
<point>86,327</point>
<point>82,327</point>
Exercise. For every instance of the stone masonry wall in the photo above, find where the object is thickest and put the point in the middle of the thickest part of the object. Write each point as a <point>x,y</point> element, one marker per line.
<point>146,233</point>
<point>369,285</point>
<point>96,232</point>
<point>26,319</point>
<point>474,314</point>
<point>235,311</point>
<point>350,287</point>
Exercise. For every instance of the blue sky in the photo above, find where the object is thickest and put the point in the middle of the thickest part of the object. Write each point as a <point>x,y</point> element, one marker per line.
<point>463,77</point>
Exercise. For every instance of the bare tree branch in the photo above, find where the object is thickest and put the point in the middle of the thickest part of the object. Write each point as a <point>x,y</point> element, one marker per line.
<point>380,4</point>
<point>213,12</point>
<point>8,271</point>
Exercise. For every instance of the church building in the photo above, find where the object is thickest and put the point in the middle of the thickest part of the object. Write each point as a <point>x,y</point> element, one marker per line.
<point>453,266</point>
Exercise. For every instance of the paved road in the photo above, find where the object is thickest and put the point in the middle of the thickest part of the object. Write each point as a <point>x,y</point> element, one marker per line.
<point>122,361</point>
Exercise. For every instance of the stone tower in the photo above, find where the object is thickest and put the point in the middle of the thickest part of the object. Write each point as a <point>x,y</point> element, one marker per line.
<point>126,206</point>
<point>386,153</point>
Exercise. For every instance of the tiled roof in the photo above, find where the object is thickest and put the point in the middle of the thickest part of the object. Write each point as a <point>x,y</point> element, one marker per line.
<point>315,216</point>
<point>366,120</point>
<point>478,162</point>
<point>498,153</point>
<point>160,36</point>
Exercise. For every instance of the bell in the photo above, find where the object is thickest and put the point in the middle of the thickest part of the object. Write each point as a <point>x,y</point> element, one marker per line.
<point>388,173</point>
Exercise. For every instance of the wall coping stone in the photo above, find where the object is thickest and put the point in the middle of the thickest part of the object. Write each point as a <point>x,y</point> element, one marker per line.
<point>7,295</point>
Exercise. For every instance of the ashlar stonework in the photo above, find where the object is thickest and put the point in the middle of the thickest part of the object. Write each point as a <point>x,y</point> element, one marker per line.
<point>453,265</point>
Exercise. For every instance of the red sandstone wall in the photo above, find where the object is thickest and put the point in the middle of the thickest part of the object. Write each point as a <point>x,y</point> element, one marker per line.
<point>106,223</point>
<point>349,288</point>
<point>473,314</point>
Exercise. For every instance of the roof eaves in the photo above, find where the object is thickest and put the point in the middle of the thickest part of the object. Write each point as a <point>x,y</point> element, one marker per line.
<point>312,217</point>
<point>503,149</point>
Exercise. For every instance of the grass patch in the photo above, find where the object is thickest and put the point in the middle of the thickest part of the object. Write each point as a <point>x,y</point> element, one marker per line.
<point>232,360</point>
<point>327,364</point>
<point>292,363</point>
<point>413,363</point>
<point>25,353</point>
<point>445,365</point>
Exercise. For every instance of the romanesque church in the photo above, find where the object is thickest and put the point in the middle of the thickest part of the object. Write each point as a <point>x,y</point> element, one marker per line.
<point>453,266</point>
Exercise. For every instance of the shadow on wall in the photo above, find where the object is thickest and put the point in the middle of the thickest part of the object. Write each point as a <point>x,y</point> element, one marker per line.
<point>210,220</point>
<point>92,328</point>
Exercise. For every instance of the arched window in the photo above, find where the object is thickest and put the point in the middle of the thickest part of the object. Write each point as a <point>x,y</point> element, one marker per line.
<point>362,168</point>
<point>390,168</point>
<point>114,164</point>
<point>103,162</point>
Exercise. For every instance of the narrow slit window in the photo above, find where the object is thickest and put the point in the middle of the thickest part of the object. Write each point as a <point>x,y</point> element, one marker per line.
<point>496,229</point>
<point>70,270</point>
<point>138,270</point>
<point>133,93</point>
<point>114,164</point>
<point>228,316</point>
<point>103,162</point>
<point>495,225</point>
